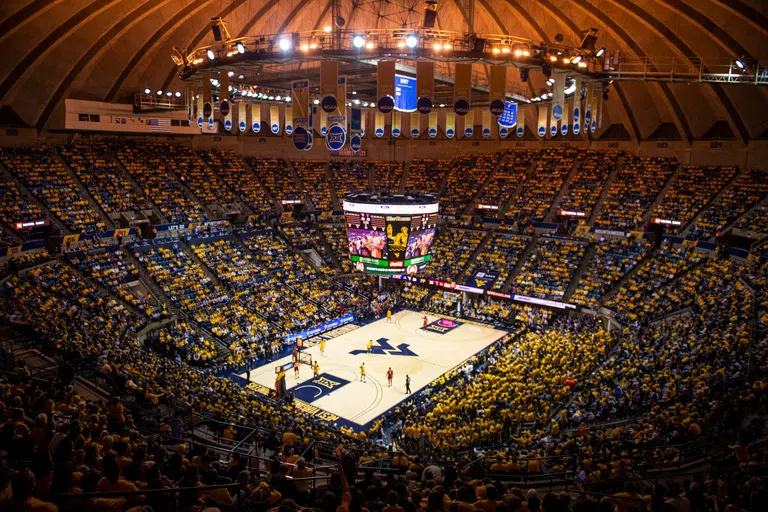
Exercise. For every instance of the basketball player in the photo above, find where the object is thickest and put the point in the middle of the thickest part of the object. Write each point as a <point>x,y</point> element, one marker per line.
<point>390,374</point>
<point>316,369</point>
<point>362,372</point>
<point>294,354</point>
<point>322,346</point>
<point>296,369</point>
<point>369,346</point>
<point>424,325</point>
<point>389,315</point>
<point>407,384</point>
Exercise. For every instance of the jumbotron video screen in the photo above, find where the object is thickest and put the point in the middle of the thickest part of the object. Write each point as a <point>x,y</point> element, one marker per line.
<point>390,235</point>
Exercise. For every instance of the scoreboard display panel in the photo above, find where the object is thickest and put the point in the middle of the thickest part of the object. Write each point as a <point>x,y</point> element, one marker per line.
<point>389,239</point>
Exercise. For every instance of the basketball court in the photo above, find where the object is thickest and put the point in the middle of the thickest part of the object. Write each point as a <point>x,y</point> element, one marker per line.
<point>339,395</point>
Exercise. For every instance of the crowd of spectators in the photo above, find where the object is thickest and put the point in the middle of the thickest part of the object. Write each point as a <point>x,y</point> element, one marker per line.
<point>314,177</point>
<point>309,236</point>
<point>112,269</point>
<point>747,190</point>
<point>613,259</point>
<point>146,162</point>
<point>588,181</point>
<point>14,207</point>
<point>500,255</point>
<point>201,180</point>
<point>350,176</point>
<point>694,187</point>
<point>551,168</point>
<point>336,235</point>
<point>94,165</point>
<point>548,271</point>
<point>512,171</point>
<point>183,342</point>
<point>276,176</point>
<point>466,176</point>
<point>43,174</point>
<point>637,184</point>
<point>451,252</point>
<point>644,293</point>
<point>388,175</point>
<point>427,175</point>
<point>232,170</point>
<point>757,220</point>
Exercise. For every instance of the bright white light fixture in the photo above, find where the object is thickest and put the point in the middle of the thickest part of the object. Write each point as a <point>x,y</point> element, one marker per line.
<point>147,91</point>
<point>358,41</point>
<point>211,55</point>
<point>411,41</point>
<point>285,44</point>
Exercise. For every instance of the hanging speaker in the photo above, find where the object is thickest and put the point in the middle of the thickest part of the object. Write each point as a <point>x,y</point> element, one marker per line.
<point>479,45</point>
<point>430,17</point>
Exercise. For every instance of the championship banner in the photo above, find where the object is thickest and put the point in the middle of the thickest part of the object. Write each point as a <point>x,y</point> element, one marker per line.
<point>425,86</point>
<point>341,98</point>
<point>486,123</point>
<point>256,117</point>
<point>462,88</point>
<point>588,108</point>
<point>378,124</point>
<point>242,123</point>
<point>558,96</point>
<point>299,118</point>
<point>542,128</point>
<point>355,129</point>
<point>508,118</point>
<point>199,110</point>
<point>415,124</point>
<point>564,122</point>
<point>552,124</point>
<point>469,123</point>
<point>385,86</point>
<point>363,115</point>
<point>329,78</point>
<point>497,89</point>
<point>521,123</point>
<point>274,119</point>
<point>450,124</point>
<point>484,280</point>
<point>432,124</point>
<point>396,123</point>
<point>207,101</point>
<point>336,136</point>
<point>225,106</point>
<point>577,108</point>
<point>503,132</point>
<point>323,122</point>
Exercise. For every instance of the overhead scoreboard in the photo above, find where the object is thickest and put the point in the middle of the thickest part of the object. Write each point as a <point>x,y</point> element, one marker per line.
<point>390,234</point>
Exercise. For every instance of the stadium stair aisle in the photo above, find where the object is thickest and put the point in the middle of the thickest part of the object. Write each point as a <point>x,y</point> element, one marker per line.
<point>137,188</point>
<point>611,292</point>
<point>585,261</point>
<point>242,205</point>
<point>462,276</point>
<point>30,197</point>
<point>520,263</point>
<point>508,201</point>
<point>597,209</point>
<point>309,205</point>
<point>578,161</point>
<point>209,272</point>
<point>471,204</point>
<point>150,283</point>
<point>106,219</point>
<point>662,193</point>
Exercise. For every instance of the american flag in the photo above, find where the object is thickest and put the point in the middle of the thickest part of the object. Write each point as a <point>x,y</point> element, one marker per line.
<point>160,125</point>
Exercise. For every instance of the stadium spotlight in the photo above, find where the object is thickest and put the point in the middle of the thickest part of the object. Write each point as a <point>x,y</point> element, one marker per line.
<point>288,99</point>
<point>524,74</point>
<point>240,47</point>
<point>600,52</point>
<point>178,94</point>
<point>285,44</point>
<point>447,46</point>
<point>582,64</point>
<point>546,69</point>
<point>211,55</point>
<point>411,41</point>
<point>271,98</point>
<point>356,102</point>
<point>358,41</point>
<point>327,29</point>
<point>496,51</point>
<point>278,98</point>
<point>401,44</point>
<point>159,93</point>
<point>576,59</point>
<point>241,77</point>
<point>147,91</point>
<point>739,64</point>
<point>550,81</point>
<point>169,93</point>
<point>437,47</point>
<point>369,45</point>
<point>305,47</point>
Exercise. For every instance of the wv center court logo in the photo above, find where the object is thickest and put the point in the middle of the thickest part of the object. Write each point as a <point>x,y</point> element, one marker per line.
<point>385,349</point>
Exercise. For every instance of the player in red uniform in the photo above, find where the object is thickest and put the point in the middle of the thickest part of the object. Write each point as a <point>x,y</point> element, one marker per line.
<point>424,326</point>
<point>390,374</point>
<point>296,369</point>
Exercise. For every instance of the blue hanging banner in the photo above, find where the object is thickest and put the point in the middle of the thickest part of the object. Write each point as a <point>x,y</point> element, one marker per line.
<point>508,117</point>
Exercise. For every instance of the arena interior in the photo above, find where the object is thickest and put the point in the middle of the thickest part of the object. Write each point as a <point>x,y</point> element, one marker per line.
<point>384,255</point>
